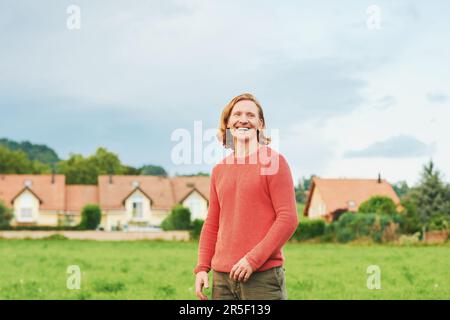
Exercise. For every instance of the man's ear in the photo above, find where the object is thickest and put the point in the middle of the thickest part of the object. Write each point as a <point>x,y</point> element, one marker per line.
<point>261,124</point>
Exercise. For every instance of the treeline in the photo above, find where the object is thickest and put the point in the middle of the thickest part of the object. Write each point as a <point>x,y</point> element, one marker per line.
<point>27,158</point>
<point>38,152</point>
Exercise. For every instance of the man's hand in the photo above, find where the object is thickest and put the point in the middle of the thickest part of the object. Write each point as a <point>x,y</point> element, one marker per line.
<point>201,280</point>
<point>241,271</point>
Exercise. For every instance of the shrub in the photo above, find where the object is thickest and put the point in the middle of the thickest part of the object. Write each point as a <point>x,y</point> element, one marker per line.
<point>412,223</point>
<point>390,232</point>
<point>196,228</point>
<point>409,239</point>
<point>330,233</point>
<point>90,217</point>
<point>5,216</point>
<point>309,229</point>
<point>55,237</point>
<point>167,224</point>
<point>179,219</point>
<point>351,226</point>
<point>379,205</point>
<point>439,222</point>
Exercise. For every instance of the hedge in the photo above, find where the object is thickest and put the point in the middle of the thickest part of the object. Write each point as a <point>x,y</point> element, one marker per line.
<point>309,229</point>
<point>179,219</point>
<point>196,228</point>
<point>380,228</point>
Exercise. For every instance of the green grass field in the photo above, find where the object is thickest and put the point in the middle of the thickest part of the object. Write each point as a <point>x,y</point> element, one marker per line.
<point>36,269</point>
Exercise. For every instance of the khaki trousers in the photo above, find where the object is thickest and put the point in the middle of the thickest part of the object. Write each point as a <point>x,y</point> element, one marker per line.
<point>265,285</point>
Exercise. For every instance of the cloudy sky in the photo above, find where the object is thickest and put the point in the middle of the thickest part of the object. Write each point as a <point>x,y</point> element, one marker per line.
<point>350,95</point>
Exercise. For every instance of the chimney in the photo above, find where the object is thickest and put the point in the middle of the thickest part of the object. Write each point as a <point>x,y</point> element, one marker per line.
<point>53,173</point>
<point>379,178</point>
<point>110,179</point>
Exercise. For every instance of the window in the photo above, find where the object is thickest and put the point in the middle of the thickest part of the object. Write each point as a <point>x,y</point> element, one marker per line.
<point>137,210</point>
<point>26,214</point>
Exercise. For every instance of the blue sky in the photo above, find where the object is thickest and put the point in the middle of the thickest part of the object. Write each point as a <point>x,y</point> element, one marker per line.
<point>348,101</point>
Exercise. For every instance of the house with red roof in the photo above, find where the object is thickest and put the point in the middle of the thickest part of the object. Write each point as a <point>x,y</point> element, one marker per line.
<point>127,202</point>
<point>328,198</point>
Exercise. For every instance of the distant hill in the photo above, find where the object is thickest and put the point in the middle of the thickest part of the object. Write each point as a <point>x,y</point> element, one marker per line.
<point>38,152</point>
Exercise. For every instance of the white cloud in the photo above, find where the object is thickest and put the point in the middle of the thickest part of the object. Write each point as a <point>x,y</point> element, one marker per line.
<point>134,73</point>
<point>402,146</point>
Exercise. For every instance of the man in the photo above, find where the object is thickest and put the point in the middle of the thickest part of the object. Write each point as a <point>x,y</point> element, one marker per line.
<point>252,212</point>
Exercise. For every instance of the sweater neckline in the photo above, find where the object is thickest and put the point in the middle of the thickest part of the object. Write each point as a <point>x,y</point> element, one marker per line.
<point>258,150</point>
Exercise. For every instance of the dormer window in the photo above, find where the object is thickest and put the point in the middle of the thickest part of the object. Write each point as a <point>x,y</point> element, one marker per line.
<point>26,214</point>
<point>137,211</point>
<point>25,207</point>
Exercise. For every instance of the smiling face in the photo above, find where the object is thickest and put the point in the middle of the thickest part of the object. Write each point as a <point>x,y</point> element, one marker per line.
<point>244,120</point>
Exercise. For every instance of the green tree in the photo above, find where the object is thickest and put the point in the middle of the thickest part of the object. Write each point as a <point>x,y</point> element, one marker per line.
<point>130,171</point>
<point>430,200</point>
<point>378,205</point>
<point>17,162</point>
<point>91,216</point>
<point>5,216</point>
<point>196,228</point>
<point>401,188</point>
<point>152,170</point>
<point>35,152</point>
<point>80,170</point>
<point>412,223</point>
<point>300,194</point>
<point>179,219</point>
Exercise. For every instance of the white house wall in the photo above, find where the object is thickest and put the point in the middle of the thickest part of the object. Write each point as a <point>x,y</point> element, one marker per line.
<point>197,205</point>
<point>26,200</point>
<point>317,208</point>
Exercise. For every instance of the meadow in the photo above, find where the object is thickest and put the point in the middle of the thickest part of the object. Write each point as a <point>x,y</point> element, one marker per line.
<point>37,269</point>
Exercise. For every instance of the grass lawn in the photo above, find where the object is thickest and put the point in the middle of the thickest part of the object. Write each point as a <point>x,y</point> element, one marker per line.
<point>37,269</point>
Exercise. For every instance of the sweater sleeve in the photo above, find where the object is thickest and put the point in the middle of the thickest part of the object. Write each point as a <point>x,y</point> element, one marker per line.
<point>282,194</point>
<point>208,235</point>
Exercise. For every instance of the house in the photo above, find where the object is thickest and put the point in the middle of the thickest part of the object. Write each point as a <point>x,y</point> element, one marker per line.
<point>35,199</point>
<point>140,201</point>
<point>328,198</point>
<point>131,202</point>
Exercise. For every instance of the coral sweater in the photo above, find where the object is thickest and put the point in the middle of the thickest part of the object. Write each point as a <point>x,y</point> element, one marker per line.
<point>252,212</point>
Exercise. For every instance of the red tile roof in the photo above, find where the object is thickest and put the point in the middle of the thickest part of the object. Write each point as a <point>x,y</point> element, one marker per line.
<point>183,186</point>
<point>77,196</point>
<point>111,194</point>
<point>164,192</point>
<point>52,194</point>
<point>336,193</point>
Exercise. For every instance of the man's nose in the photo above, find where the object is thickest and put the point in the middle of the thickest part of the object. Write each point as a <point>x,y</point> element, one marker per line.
<point>243,119</point>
